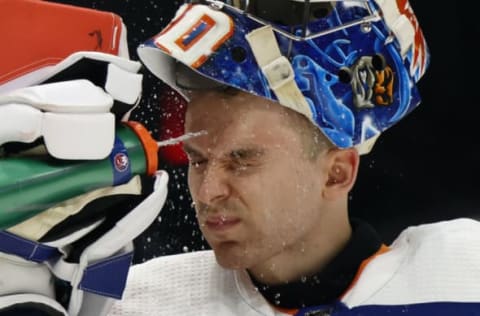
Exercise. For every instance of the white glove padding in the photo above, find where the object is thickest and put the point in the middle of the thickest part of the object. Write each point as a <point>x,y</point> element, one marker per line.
<point>73,117</point>
<point>30,304</point>
<point>26,283</point>
<point>23,276</point>
<point>74,96</point>
<point>96,262</point>
<point>118,76</point>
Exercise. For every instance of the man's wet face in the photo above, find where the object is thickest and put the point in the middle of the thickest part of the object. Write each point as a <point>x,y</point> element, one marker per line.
<point>255,194</point>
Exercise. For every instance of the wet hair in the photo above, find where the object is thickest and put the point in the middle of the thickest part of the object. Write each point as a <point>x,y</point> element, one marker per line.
<point>314,140</point>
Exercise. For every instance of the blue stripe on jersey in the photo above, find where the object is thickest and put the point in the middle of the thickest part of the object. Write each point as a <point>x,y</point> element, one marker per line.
<point>420,309</point>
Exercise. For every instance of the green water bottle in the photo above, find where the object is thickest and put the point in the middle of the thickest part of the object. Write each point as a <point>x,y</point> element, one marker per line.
<point>29,186</point>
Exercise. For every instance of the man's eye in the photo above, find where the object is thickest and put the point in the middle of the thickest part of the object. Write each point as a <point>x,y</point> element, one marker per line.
<point>239,166</point>
<point>197,163</point>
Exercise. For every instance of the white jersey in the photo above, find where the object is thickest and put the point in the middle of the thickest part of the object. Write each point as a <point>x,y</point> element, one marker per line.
<point>429,270</point>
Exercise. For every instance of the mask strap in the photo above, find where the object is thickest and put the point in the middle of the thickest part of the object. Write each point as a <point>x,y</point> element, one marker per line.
<point>401,27</point>
<point>280,76</point>
<point>278,70</point>
<point>366,146</point>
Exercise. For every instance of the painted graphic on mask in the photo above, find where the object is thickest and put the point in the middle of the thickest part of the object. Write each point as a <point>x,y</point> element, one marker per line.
<point>356,77</point>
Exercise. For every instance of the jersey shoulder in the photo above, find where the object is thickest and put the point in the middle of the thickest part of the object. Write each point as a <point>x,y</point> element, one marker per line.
<point>434,262</point>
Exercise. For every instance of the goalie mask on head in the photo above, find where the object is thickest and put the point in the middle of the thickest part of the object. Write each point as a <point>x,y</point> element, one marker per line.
<point>350,66</point>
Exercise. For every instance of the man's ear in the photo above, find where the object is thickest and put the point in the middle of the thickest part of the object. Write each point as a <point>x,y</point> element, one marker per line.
<point>342,168</point>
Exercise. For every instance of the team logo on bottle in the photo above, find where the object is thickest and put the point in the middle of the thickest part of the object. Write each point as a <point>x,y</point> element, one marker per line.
<point>120,162</point>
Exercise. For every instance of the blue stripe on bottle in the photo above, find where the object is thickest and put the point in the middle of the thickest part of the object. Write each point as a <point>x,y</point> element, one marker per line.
<point>120,161</point>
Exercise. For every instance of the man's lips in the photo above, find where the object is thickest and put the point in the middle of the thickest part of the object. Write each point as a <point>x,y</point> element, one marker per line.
<point>221,223</point>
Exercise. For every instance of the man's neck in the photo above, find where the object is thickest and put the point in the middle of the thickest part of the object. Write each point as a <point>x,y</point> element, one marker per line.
<point>306,257</point>
<point>328,283</point>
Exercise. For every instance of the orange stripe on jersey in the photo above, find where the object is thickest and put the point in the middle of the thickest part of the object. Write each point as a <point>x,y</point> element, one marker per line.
<point>364,263</point>
<point>37,34</point>
<point>288,311</point>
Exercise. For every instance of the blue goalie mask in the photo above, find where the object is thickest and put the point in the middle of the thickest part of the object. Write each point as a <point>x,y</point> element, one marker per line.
<point>350,66</point>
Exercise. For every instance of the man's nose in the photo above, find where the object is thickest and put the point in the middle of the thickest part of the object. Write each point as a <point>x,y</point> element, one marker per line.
<point>214,186</point>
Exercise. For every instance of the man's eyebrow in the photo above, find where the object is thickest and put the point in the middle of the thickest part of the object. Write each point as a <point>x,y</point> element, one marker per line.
<point>190,150</point>
<point>237,154</point>
<point>246,153</point>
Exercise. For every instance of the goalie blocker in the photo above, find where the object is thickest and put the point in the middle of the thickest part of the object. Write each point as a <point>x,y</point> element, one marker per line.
<point>71,92</point>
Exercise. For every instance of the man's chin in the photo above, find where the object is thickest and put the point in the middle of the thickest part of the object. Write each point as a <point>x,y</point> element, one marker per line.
<point>231,257</point>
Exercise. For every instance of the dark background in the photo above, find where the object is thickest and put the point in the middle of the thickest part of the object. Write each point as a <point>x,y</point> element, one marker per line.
<point>424,169</point>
